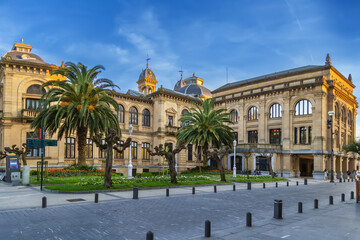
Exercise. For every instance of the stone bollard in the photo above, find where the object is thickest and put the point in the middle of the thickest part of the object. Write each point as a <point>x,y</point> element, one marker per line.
<point>305,181</point>
<point>351,195</point>
<point>193,190</point>
<point>300,207</point>
<point>248,185</point>
<point>167,192</point>
<point>278,209</point>
<point>207,228</point>
<point>149,235</point>
<point>215,190</point>
<point>248,219</point>
<point>343,197</point>
<point>135,192</point>
<point>276,184</point>
<point>331,200</point>
<point>44,202</point>
<point>316,203</point>
<point>287,184</point>
<point>96,197</point>
<point>297,183</point>
<point>234,187</point>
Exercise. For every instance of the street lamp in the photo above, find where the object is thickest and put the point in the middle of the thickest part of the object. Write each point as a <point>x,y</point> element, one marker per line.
<point>330,126</point>
<point>130,166</point>
<point>234,167</point>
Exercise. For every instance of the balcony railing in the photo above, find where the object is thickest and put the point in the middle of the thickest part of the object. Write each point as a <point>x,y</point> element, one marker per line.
<point>29,113</point>
<point>171,129</point>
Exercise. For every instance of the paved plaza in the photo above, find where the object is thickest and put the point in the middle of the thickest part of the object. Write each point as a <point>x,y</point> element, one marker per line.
<point>182,215</point>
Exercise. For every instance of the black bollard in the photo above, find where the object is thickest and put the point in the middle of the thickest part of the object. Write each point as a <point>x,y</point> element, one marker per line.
<point>276,184</point>
<point>348,180</point>
<point>135,192</point>
<point>248,219</point>
<point>300,207</point>
<point>287,184</point>
<point>331,200</point>
<point>305,181</point>
<point>44,202</point>
<point>248,185</point>
<point>96,197</point>
<point>193,190</point>
<point>234,187</point>
<point>263,185</point>
<point>351,195</point>
<point>149,235</point>
<point>215,190</point>
<point>316,203</point>
<point>278,209</point>
<point>297,183</point>
<point>343,197</point>
<point>167,192</point>
<point>340,180</point>
<point>352,180</point>
<point>207,228</point>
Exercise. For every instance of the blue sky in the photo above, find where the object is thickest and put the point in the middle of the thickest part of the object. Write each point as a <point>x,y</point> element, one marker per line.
<point>248,37</point>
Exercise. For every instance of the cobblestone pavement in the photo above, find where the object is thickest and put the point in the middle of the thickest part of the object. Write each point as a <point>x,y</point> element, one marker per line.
<point>182,215</point>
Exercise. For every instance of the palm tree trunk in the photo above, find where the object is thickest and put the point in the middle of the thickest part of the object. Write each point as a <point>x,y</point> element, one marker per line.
<point>108,165</point>
<point>81,136</point>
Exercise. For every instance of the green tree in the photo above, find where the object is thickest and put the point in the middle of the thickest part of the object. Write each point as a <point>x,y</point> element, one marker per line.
<point>205,126</point>
<point>352,147</point>
<point>80,104</point>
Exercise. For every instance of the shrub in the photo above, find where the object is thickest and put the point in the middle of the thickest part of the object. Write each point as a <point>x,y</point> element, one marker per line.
<point>80,167</point>
<point>33,172</point>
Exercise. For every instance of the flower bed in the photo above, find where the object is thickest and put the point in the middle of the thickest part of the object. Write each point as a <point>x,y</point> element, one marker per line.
<point>73,173</point>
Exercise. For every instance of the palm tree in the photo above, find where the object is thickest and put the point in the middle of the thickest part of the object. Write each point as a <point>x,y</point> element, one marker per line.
<point>79,104</point>
<point>205,126</point>
<point>352,147</point>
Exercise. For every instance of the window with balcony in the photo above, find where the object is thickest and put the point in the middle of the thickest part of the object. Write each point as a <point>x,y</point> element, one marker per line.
<point>33,104</point>
<point>275,136</point>
<point>36,89</point>
<point>253,136</point>
<point>170,121</point>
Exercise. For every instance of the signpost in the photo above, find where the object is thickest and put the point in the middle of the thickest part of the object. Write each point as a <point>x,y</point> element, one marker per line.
<point>41,143</point>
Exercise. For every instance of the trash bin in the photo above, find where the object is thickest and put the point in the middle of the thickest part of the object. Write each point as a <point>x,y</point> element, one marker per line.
<point>278,209</point>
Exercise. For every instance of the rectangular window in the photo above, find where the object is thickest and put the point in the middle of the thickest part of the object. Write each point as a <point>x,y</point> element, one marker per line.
<point>89,148</point>
<point>117,155</point>
<point>295,135</point>
<point>33,104</point>
<point>310,135</point>
<point>102,152</point>
<point>69,147</point>
<point>190,152</point>
<point>275,136</point>
<point>134,150</point>
<point>262,164</point>
<point>252,136</point>
<point>302,135</point>
<point>170,121</point>
<point>34,152</point>
<point>145,153</point>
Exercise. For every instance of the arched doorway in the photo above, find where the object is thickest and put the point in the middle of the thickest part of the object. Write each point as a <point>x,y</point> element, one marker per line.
<point>239,162</point>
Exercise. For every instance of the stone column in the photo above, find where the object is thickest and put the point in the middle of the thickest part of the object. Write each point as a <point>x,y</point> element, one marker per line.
<point>337,167</point>
<point>287,167</point>
<point>344,167</point>
<point>318,172</point>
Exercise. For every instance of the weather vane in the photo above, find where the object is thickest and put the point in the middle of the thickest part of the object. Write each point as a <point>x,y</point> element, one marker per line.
<point>147,60</point>
<point>181,71</point>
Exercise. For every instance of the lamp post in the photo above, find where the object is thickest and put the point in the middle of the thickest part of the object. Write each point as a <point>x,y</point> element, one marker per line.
<point>330,126</point>
<point>130,166</point>
<point>234,167</point>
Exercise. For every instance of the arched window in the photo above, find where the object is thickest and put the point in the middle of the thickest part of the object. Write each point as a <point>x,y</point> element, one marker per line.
<point>183,113</point>
<point>349,118</point>
<point>303,107</point>
<point>121,114</point>
<point>343,117</point>
<point>253,114</point>
<point>146,118</point>
<point>234,116</point>
<point>275,111</point>
<point>336,111</point>
<point>35,89</point>
<point>133,116</point>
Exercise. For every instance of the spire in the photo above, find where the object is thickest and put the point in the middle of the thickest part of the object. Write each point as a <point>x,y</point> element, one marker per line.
<point>147,60</point>
<point>22,40</point>
<point>194,74</point>
<point>181,71</point>
<point>350,77</point>
<point>328,60</point>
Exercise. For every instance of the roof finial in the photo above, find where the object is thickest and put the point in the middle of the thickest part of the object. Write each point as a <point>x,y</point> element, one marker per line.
<point>350,77</point>
<point>147,60</point>
<point>181,71</point>
<point>22,40</point>
<point>194,74</point>
<point>328,60</point>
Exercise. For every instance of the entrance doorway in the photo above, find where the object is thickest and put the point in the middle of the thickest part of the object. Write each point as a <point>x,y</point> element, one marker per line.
<point>306,167</point>
<point>238,163</point>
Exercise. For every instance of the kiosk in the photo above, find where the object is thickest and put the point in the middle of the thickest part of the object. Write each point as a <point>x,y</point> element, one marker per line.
<point>12,170</point>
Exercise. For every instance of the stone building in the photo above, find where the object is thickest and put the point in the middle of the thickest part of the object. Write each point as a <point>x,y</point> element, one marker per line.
<point>282,114</point>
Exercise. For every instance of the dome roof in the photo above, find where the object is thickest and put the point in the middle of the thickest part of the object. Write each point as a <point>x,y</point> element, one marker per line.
<point>196,90</point>
<point>147,73</point>
<point>23,56</point>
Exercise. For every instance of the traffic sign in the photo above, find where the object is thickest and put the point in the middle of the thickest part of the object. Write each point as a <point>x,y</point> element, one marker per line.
<point>37,143</point>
